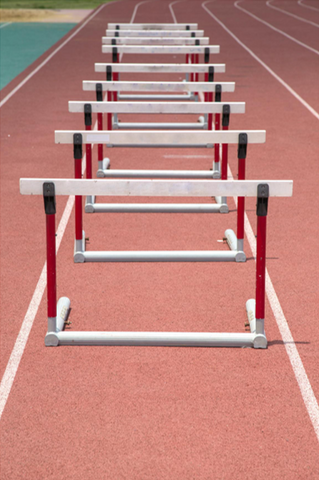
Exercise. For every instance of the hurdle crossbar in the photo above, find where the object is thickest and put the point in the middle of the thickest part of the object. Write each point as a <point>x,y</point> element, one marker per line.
<point>162,49</point>
<point>152,26</point>
<point>160,68</point>
<point>58,311</point>
<point>154,41</point>
<point>154,33</point>
<point>110,86</point>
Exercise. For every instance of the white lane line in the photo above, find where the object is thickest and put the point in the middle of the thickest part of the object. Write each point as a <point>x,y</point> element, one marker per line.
<point>300,2</point>
<point>26,79</point>
<point>291,14</point>
<point>5,24</point>
<point>298,368</point>
<point>275,29</point>
<point>280,80</point>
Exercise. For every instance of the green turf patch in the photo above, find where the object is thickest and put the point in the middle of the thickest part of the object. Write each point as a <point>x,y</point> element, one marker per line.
<point>23,43</point>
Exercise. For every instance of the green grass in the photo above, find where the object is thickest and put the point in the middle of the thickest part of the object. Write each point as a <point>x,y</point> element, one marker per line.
<point>51,4</point>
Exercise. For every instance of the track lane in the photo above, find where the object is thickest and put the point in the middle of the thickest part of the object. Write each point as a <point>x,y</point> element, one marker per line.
<point>136,423</point>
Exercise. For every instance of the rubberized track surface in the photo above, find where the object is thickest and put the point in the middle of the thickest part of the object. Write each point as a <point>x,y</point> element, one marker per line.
<point>166,412</point>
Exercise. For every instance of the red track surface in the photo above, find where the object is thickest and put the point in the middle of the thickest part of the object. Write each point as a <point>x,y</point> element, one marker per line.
<point>128,412</point>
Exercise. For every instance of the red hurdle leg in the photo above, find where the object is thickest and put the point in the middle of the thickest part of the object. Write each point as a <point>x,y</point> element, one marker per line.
<point>50,210</point>
<point>242,151</point>
<point>262,207</point>
<point>77,149</point>
<point>88,148</point>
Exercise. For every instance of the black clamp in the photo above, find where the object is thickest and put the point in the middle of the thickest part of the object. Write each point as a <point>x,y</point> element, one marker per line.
<point>211,72</point>
<point>99,92</point>
<point>87,114</point>
<point>117,27</point>
<point>188,27</point>
<point>206,55</point>
<point>242,145</point>
<point>116,34</point>
<point>109,73</point>
<point>114,54</point>
<point>193,34</point>
<point>262,199</point>
<point>113,41</point>
<point>197,41</point>
<point>218,93</point>
<point>226,113</point>
<point>77,146</point>
<point>49,198</point>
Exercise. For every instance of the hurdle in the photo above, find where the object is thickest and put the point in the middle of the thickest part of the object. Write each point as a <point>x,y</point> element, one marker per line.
<point>159,140</point>
<point>191,52</point>
<point>155,40</point>
<point>152,26</point>
<point>58,311</point>
<point>154,33</point>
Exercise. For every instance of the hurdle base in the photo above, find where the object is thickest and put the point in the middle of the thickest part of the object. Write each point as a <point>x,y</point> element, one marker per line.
<point>256,325</point>
<point>56,324</point>
<point>234,244</point>
<point>103,165</point>
<point>194,174</point>
<point>154,207</point>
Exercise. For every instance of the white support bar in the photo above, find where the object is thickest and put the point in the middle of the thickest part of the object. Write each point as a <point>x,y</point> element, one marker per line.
<point>155,188</point>
<point>160,138</point>
<point>199,108</point>
<point>154,41</point>
<point>160,68</point>
<point>154,33</point>
<point>166,49</point>
<point>152,26</point>
<point>90,85</point>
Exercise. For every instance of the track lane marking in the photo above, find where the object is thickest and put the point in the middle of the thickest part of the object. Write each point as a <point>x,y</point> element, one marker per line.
<point>300,2</point>
<point>280,80</point>
<point>274,28</point>
<point>5,24</point>
<point>269,4</point>
<point>298,368</point>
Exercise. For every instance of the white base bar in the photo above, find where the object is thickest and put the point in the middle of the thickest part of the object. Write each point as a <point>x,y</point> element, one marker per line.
<point>165,339</point>
<point>159,256</point>
<point>154,208</point>
<point>200,174</point>
<point>159,126</point>
<point>146,96</point>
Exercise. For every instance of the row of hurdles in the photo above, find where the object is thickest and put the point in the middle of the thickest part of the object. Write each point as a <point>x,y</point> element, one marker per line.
<point>189,96</point>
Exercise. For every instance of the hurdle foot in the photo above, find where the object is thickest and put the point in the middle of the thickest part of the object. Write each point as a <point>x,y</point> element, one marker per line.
<point>216,174</point>
<point>89,204</point>
<point>256,325</point>
<point>103,165</point>
<point>56,324</point>
<point>235,245</point>
<point>79,249</point>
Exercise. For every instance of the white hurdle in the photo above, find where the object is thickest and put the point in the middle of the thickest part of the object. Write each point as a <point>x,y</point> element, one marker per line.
<point>152,26</point>
<point>155,41</point>
<point>58,312</point>
<point>163,139</point>
<point>154,33</point>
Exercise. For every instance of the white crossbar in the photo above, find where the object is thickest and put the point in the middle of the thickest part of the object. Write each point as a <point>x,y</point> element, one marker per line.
<point>155,41</point>
<point>155,33</point>
<point>155,188</point>
<point>166,49</point>
<point>160,68</point>
<point>152,26</point>
<point>158,86</point>
<point>157,107</point>
<point>160,138</point>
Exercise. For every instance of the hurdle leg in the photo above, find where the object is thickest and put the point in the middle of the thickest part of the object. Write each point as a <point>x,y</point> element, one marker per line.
<point>79,234</point>
<point>224,167</point>
<point>256,309</point>
<point>57,314</point>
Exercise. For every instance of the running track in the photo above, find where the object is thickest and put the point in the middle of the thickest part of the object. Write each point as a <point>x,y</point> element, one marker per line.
<point>71,413</point>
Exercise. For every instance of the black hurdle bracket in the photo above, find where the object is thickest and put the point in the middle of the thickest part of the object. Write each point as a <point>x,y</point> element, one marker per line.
<point>262,199</point>
<point>87,114</point>
<point>49,198</point>
<point>77,146</point>
<point>109,73</point>
<point>218,93</point>
<point>99,92</point>
<point>226,114</point>
<point>242,145</point>
<point>211,72</point>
